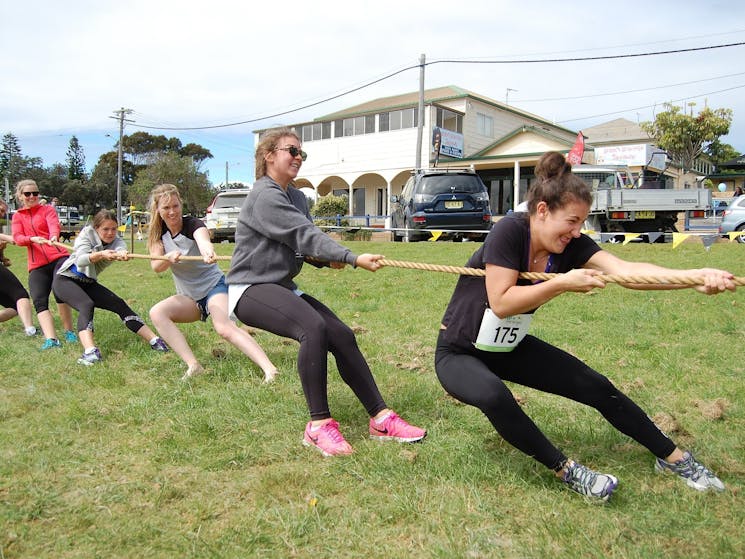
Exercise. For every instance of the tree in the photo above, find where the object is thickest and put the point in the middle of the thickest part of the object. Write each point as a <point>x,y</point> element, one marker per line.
<point>719,152</point>
<point>54,181</point>
<point>142,147</point>
<point>14,165</point>
<point>196,152</point>
<point>174,169</point>
<point>75,161</point>
<point>686,137</point>
<point>10,155</point>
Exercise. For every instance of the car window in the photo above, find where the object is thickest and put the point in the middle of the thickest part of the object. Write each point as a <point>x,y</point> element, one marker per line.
<point>467,184</point>
<point>230,201</point>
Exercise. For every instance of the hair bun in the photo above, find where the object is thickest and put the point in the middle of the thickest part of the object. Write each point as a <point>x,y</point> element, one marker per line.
<point>552,165</point>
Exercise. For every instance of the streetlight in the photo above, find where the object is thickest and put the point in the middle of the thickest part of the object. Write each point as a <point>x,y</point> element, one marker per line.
<point>227,165</point>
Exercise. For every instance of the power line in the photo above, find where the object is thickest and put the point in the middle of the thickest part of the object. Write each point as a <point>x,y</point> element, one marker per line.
<point>627,91</point>
<point>651,106</point>
<point>446,61</point>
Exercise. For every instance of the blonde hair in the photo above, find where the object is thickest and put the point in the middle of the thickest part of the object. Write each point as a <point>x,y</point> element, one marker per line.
<point>268,144</point>
<point>23,184</point>
<point>157,226</point>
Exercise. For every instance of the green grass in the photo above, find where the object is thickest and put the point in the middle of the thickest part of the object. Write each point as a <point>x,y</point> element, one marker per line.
<point>124,460</point>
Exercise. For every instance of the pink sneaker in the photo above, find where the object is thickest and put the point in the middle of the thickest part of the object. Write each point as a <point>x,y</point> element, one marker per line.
<point>327,439</point>
<point>394,428</point>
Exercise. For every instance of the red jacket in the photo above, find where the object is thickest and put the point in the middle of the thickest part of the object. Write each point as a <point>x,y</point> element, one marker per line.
<point>37,221</point>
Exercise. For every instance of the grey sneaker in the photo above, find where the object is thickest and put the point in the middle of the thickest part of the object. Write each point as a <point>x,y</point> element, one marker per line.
<point>159,345</point>
<point>589,483</point>
<point>91,358</point>
<point>695,474</point>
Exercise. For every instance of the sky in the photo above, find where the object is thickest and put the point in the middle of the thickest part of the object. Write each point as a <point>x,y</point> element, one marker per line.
<point>67,66</point>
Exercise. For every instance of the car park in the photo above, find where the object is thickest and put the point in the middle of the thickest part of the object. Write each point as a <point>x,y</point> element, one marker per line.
<point>222,214</point>
<point>453,200</point>
<point>733,218</point>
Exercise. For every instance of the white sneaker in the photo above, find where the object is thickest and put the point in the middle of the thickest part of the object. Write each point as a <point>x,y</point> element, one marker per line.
<point>695,474</point>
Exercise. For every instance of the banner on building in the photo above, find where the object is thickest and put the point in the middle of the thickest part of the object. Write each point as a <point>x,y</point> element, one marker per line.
<point>574,157</point>
<point>446,142</point>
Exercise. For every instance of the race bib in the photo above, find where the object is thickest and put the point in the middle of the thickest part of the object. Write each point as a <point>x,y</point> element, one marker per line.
<point>502,334</point>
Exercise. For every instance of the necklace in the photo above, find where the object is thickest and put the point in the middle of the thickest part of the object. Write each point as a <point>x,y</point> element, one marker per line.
<point>536,260</point>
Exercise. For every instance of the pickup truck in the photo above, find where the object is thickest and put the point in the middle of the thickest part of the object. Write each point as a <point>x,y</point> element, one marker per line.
<point>620,206</point>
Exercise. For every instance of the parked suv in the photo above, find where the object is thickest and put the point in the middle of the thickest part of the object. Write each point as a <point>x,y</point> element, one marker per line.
<point>222,213</point>
<point>454,200</point>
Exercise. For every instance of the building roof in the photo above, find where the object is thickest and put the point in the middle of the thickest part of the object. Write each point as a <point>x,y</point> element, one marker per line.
<point>398,101</point>
<point>620,130</point>
<point>736,163</point>
<point>435,95</point>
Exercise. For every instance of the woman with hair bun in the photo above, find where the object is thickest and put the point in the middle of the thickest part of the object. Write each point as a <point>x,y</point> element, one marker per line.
<point>484,337</point>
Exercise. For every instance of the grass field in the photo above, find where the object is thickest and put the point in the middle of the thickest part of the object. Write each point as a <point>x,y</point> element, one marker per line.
<point>125,460</point>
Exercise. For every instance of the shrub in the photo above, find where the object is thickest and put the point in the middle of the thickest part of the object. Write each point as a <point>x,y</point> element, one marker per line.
<point>329,207</point>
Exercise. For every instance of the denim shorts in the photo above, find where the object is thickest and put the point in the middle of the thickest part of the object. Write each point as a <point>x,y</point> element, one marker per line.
<point>220,287</point>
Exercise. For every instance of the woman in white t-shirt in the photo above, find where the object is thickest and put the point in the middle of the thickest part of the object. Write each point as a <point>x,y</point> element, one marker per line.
<point>200,285</point>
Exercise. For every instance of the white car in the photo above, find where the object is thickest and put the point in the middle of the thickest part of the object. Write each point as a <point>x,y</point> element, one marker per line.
<point>222,213</point>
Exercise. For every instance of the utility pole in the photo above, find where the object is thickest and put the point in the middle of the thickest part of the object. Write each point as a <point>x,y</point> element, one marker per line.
<point>120,114</point>
<point>507,95</point>
<point>226,175</point>
<point>420,119</point>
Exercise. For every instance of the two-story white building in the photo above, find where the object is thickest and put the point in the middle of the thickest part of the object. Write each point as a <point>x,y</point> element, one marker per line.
<point>368,151</point>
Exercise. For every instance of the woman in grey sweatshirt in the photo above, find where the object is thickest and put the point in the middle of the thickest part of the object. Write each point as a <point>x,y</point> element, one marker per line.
<point>76,283</point>
<point>274,236</point>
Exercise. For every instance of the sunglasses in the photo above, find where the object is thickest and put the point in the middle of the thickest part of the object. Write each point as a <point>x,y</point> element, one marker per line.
<point>29,194</point>
<point>294,152</point>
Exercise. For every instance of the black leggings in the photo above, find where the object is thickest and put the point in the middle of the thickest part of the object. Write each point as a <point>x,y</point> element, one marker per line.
<point>278,310</point>
<point>85,297</point>
<point>10,289</point>
<point>473,379</point>
<point>40,284</point>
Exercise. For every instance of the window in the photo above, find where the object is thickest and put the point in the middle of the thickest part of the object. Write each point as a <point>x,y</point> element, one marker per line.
<point>338,128</point>
<point>450,120</point>
<point>383,119</point>
<point>484,125</point>
<point>315,131</point>
<point>355,126</point>
<point>396,120</point>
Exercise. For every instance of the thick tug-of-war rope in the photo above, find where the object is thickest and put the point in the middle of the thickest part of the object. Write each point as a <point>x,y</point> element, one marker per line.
<point>464,271</point>
<point>608,278</point>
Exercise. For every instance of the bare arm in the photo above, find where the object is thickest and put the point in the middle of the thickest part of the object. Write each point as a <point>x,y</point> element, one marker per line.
<point>202,238</point>
<point>716,281</point>
<point>158,266</point>
<point>508,299</point>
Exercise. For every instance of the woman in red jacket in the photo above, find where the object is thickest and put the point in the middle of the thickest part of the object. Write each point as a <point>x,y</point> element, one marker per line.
<point>36,227</point>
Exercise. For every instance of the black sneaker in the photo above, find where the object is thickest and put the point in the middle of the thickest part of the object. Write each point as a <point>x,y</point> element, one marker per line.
<point>589,483</point>
<point>695,474</point>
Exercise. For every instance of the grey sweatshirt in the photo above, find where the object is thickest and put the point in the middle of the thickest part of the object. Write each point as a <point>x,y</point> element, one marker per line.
<point>274,233</point>
<point>86,243</point>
